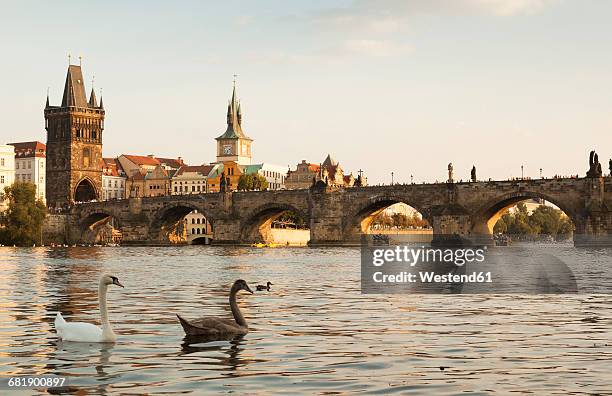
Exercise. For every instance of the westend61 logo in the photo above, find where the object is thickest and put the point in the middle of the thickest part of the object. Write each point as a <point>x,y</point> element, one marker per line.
<point>408,264</point>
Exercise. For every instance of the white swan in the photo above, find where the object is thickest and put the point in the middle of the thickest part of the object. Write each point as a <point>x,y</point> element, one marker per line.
<point>87,332</point>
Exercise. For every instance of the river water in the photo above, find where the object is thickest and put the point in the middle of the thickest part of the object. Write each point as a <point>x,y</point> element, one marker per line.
<point>313,333</point>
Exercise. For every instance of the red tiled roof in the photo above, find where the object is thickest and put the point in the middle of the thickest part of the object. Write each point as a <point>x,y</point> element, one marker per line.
<point>172,162</point>
<point>331,169</point>
<point>314,167</point>
<point>203,169</point>
<point>142,160</point>
<point>29,149</point>
<point>111,167</point>
<point>138,176</point>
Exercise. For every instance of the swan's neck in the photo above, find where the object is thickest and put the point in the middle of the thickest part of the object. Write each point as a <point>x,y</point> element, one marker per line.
<point>107,331</point>
<point>236,310</point>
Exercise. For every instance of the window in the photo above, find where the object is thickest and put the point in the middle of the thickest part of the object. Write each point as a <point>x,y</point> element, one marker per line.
<point>86,157</point>
<point>16,164</point>
<point>2,179</point>
<point>29,165</point>
<point>1,161</point>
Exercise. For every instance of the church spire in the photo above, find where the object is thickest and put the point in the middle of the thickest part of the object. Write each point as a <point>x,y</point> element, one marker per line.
<point>92,99</point>
<point>47,104</point>
<point>74,89</point>
<point>234,118</point>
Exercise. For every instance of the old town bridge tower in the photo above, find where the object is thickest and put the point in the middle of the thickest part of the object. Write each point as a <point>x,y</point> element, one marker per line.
<point>74,144</point>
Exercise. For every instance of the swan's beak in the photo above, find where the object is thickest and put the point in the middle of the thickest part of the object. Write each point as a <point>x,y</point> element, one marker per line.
<point>116,282</point>
<point>248,289</point>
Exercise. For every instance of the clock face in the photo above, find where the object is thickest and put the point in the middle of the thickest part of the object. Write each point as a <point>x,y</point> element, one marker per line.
<point>227,149</point>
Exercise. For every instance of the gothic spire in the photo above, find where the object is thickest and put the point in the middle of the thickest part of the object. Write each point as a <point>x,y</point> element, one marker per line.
<point>92,99</point>
<point>74,89</point>
<point>234,118</point>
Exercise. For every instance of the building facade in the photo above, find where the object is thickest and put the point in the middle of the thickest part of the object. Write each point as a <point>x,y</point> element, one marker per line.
<point>234,145</point>
<point>74,144</point>
<point>330,172</point>
<point>274,174</point>
<point>153,183</point>
<point>197,227</point>
<point>30,165</point>
<point>7,170</point>
<point>191,180</point>
<point>113,179</point>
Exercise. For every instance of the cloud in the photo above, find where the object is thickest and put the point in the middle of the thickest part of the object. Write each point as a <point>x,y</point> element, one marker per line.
<point>243,20</point>
<point>381,28</point>
<point>372,47</point>
<point>389,16</point>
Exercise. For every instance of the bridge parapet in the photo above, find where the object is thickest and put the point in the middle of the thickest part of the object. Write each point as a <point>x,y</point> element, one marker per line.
<point>340,215</point>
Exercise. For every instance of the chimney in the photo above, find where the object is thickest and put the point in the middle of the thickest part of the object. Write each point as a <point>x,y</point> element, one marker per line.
<point>151,156</point>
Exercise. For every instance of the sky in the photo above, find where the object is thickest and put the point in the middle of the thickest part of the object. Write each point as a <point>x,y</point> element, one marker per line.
<point>400,86</point>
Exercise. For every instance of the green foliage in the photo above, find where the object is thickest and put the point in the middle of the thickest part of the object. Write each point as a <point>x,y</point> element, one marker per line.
<point>253,181</point>
<point>290,218</point>
<point>399,220</point>
<point>544,220</point>
<point>22,222</point>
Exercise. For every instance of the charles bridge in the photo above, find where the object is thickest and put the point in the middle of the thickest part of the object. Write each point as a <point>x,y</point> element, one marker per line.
<point>338,216</point>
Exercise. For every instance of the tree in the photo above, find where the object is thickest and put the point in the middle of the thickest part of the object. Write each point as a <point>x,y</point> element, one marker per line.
<point>290,217</point>
<point>22,222</point>
<point>544,220</point>
<point>253,181</point>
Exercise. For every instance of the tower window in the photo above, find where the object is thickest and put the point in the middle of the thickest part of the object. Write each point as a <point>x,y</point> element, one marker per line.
<point>86,157</point>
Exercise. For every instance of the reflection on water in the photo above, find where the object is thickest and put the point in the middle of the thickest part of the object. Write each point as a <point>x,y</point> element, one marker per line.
<point>314,332</point>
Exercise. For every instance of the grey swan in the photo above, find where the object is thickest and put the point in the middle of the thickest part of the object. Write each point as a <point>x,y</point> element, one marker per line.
<point>262,287</point>
<point>215,327</point>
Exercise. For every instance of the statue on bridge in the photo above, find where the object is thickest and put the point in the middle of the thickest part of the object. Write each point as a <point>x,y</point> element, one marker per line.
<point>473,173</point>
<point>594,165</point>
<point>222,183</point>
<point>610,167</point>
<point>450,172</point>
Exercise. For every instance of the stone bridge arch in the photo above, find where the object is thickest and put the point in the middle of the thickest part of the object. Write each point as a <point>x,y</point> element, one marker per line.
<point>486,216</point>
<point>92,221</point>
<point>166,219</point>
<point>256,226</point>
<point>358,220</point>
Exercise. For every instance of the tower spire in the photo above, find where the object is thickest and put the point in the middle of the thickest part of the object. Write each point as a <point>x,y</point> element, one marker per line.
<point>47,104</point>
<point>92,96</point>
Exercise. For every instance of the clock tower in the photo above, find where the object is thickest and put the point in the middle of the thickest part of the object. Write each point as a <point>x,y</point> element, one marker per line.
<point>234,144</point>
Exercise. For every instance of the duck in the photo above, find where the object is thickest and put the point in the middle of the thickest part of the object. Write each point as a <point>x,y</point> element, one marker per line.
<point>262,287</point>
<point>215,327</point>
<point>87,332</point>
